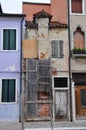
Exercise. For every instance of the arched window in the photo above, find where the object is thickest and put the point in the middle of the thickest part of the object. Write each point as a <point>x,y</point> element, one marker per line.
<point>79,41</point>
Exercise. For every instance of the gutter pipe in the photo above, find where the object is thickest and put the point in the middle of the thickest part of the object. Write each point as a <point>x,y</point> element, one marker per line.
<point>70,84</point>
<point>21,102</point>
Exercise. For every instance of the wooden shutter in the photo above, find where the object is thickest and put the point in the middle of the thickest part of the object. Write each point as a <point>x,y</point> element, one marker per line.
<point>55,48</point>
<point>76,6</point>
<point>11,90</point>
<point>5,39</point>
<point>61,48</point>
<point>12,39</point>
<point>8,90</point>
<point>4,90</point>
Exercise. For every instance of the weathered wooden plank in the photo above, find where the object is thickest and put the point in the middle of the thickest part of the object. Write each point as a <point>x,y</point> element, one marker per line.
<point>30,48</point>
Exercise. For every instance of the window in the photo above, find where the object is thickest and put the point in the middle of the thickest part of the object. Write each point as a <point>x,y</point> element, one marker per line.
<point>9,39</point>
<point>8,90</point>
<point>57,48</point>
<point>79,40</point>
<point>60,82</point>
<point>77,6</point>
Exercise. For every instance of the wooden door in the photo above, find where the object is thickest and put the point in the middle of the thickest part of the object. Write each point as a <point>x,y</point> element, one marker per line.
<point>80,100</point>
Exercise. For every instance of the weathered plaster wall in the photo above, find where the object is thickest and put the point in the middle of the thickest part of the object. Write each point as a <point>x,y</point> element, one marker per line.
<point>78,64</point>
<point>44,35</point>
<point>60,64</point>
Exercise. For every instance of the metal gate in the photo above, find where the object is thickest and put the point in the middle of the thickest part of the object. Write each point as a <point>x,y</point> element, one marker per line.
<point>37,89</point>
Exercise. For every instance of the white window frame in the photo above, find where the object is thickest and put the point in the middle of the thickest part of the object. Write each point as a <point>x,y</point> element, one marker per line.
<point>83,9</point>
<point>58,47</point>
<point>1,91</point>
<point>16,40</point>
<point>59,88</point>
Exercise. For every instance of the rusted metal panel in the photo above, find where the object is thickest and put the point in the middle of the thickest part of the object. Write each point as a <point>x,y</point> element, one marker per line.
<point>30,48</point>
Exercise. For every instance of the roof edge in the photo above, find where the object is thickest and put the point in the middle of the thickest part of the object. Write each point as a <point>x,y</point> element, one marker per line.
<point>36,3</point>
<point>52,25</point>
<point>12,15</point>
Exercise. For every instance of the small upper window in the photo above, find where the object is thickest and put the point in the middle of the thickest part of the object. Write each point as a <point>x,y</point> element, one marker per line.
<point>60,82</point>
<point>57,48</point>
<point>77,6</point>
<point>9,39</point>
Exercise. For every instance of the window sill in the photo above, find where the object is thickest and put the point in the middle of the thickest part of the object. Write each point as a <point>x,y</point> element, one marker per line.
<point>58,57</point>
<point>78,14</point>
<point>66,88</point>
<point>79,55</point>
<point>8,103</point>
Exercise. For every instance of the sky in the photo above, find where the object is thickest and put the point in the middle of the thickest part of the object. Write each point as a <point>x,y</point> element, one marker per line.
<point>15,6</point>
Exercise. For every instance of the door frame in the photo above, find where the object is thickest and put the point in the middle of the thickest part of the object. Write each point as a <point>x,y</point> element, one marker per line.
<point>79,109</point>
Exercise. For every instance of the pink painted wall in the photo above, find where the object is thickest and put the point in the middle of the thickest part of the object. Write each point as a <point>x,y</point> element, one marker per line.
<point>30,9</point>
<point>57,8</point>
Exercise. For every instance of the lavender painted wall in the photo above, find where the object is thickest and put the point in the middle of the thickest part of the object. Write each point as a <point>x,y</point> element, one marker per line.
<point>10,68</point>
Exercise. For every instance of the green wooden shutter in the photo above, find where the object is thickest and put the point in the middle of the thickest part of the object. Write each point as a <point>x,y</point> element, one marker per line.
<point>8,90</point>
<point>5,90</point>
<point>12,39</point>
<point>11,90</point>
<point>5,39</point>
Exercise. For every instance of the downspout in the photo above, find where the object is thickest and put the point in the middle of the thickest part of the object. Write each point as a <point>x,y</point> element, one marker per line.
<point>20,111</point>
<point>70,85</point>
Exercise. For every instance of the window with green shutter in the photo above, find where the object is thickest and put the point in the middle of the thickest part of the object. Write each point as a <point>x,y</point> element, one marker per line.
<point>8,90</point>
<point>57,48</point>
<point>9,39</point>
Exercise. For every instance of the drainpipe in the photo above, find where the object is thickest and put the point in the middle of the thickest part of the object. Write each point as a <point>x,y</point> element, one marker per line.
<point>20,111</point>
<point>70,84</point>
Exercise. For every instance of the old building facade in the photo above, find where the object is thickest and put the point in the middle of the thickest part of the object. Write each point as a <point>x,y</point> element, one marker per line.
<point>78,57</point>
<point>45,55</point>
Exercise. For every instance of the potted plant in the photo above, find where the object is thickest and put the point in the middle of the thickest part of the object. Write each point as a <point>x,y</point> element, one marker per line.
<point>79,51</point>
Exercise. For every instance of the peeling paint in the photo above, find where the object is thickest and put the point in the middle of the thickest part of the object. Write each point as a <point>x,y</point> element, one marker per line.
<point>43,55</point>
<point>54,71</point>
<point>11,68</point>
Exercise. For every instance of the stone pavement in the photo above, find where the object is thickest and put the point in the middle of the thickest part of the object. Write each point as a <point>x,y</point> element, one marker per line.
<point>66,125</point>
